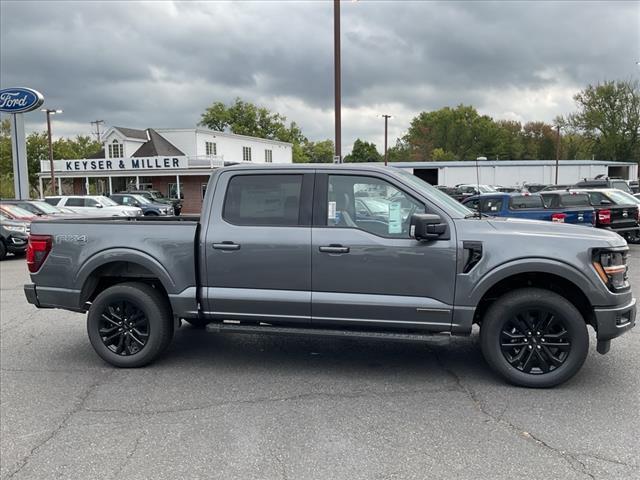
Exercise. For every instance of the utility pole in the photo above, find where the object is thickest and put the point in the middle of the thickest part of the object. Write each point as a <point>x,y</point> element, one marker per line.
<point>557,152</point>
<point>49,112</point>
<point>386,119</point>
<point>97,132</point>
<point>336,72</point>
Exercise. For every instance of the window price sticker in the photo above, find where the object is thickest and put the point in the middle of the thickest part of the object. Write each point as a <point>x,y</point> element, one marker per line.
<point>332,210</point>
<point>395,218</point>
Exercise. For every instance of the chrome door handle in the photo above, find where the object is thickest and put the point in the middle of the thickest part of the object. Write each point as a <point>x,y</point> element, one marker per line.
<point>226,246</point>
<point>334,249</point>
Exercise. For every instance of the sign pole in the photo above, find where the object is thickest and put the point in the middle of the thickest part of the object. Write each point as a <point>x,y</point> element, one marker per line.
<point>19,154</point>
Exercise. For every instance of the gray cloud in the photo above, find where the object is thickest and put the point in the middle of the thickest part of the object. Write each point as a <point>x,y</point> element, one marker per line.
<point>160,64</point>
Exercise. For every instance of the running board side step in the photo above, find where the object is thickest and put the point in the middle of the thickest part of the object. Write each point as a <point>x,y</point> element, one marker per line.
<point>266,329</point>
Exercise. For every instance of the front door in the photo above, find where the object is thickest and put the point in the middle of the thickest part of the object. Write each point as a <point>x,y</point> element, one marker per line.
<point>258,247</point>
<point>367,270</point>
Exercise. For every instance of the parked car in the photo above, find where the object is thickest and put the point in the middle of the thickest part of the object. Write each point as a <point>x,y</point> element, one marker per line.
<point>615,211</point>
<point>13,236</point>
<point>463,191</point>
<point>528,206</point>
<point>147,206</point>
<point>37,207</point>
<point>94,205</point>
<point>14,212</point>
<point>604,182</point>
<point>502,188</point>
<point>282,251</point>
<point>157,197</point>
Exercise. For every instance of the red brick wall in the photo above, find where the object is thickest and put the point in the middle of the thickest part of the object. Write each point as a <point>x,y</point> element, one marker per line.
<point>191,189</point>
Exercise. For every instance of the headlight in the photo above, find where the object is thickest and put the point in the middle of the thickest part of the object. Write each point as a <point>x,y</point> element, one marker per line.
<point>611,266</point>
<point>16,228</point>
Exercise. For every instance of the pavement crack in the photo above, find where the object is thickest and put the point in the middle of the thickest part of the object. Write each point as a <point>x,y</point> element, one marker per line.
<point>570,459</point>
<point>127,460</point>
<point>78,406</point>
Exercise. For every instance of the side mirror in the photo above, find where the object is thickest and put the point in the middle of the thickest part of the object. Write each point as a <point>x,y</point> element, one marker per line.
<point>427,226</point>
<point>605,202</point>
<point>99,205</point>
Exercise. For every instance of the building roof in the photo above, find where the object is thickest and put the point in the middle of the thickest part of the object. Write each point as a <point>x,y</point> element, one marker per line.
<point>504,163</point>
<point>132,133</point>
<point>156,146</point>
<point>224,134</point>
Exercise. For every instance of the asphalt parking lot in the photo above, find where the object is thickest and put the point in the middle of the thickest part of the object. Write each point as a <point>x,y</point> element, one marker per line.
<point>294,408</point>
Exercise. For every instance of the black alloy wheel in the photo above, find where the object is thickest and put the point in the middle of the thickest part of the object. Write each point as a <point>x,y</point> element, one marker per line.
<point>130,324</point>
<point>124,328</point>
<point>535,341</point>
<point>534,337</point>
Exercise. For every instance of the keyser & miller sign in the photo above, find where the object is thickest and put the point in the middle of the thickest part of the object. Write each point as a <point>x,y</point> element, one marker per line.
<point>115,164</point>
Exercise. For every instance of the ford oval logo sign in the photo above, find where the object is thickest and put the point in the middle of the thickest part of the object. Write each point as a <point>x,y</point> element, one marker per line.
<point>19,100</point>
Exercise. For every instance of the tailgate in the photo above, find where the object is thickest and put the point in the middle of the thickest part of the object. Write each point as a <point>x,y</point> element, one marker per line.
<point>623,216</point>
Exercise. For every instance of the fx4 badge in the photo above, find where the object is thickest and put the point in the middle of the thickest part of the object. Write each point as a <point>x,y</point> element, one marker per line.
<point>71,238</point>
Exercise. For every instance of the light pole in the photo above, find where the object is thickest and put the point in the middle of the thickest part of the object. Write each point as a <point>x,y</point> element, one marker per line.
<point>49,112</point>
<point>336,79</point>
<point>557,152</point>
<point>386,120</point>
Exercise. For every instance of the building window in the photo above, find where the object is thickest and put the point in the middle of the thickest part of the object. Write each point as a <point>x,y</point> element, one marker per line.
<point>211,148</point>
<point>268,156</point>
<point>172,191</point>
<point>246,154</point>
<point>116,150</point>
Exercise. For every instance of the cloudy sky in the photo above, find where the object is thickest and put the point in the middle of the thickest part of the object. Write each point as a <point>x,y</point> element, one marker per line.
<point>159,64</point>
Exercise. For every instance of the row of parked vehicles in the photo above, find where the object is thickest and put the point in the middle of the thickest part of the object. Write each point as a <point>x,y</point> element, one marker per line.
<point>16,215</point>
<point>602,203</point>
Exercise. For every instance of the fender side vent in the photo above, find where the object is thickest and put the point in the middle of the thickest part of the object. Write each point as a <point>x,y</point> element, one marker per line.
<point>472,255</point>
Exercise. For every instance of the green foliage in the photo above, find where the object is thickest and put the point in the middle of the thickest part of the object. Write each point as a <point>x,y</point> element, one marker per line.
<point>609,117</point>
<point>37,150</point>
<point>440,155</point>
<point>319,152</point>
<point>363,152</point>
<point>244,118</point>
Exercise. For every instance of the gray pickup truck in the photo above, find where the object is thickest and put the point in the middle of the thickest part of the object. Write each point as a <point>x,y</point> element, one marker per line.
<point>292,250</point>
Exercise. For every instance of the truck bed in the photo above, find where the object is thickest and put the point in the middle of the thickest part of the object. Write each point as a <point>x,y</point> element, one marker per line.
<point>164,246</point>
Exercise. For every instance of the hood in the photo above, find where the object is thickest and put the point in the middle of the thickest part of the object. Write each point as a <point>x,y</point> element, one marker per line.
<point>537,229</point>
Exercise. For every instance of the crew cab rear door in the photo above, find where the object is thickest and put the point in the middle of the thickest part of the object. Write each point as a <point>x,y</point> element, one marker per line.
<point>367,270</point>
<point>257,251</point>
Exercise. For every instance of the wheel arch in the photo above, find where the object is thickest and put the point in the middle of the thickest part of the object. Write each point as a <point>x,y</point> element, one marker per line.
<point>117,266</point>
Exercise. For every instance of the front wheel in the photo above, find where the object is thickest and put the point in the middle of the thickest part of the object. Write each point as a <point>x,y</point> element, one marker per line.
<point>129,324</point>
<point>534,338</point>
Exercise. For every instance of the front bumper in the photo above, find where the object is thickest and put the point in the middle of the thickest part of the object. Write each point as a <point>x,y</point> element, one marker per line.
<point>611,322</point>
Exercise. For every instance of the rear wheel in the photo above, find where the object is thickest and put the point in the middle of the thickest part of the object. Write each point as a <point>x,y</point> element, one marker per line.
<point>534,338</point>
<point>129,324</point>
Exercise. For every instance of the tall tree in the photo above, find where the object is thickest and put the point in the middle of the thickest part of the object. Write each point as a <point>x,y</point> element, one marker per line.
<point>363,152</point>
<point>245,118</point>
<point>609,115</point>
<point>319,152</point>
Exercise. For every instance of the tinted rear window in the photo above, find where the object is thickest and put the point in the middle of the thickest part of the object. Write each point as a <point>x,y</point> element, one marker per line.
<point>518,202</point>
<point>263,200</point>
<point>574,200</point>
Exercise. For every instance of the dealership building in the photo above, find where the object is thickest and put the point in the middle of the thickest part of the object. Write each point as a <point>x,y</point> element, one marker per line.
<point>175,161</point>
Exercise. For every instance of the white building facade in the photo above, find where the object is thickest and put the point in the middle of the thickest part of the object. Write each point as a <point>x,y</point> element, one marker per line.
<point>175,161</point>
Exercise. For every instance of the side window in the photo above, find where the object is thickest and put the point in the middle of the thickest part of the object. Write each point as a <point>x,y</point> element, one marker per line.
<point>473,204</point>
<point>52,200</point>
<point>263,200</point>
<point>75,202</point>
<point>491,205</point>
<point>370,204</point>
<point>90,202</point>
<point>124,200</point>
<point>522,202</point>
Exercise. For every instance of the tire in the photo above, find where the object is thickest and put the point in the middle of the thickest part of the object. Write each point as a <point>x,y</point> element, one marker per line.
<point>149,313</point>
<point>151,214</point>
<point>197,322</point>
<point>3,250</point>
<point>534,338</point>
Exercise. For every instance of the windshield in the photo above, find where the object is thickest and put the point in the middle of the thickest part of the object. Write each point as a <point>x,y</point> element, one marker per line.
<point>142,199</point>
<point>155,194</point>
<point>420,185</point>
<point>621,185</point>
<point>44,207</point>
<point>622,198</point>
<point>17,211</point>
<point>107,202</point>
